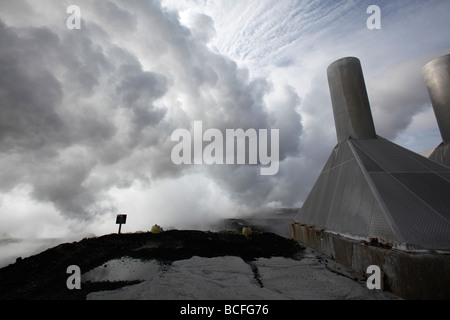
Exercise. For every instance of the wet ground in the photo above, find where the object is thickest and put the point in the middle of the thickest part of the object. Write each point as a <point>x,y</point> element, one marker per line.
<point>44,276</point>
<point>229,278</point>
<point>183,265</point>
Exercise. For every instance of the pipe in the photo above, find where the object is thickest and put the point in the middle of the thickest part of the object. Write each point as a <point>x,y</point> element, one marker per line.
<point>351,107</point>
<point>437,79</point>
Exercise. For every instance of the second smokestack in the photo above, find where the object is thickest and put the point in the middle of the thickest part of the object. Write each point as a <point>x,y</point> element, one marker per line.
<point>437,78</point>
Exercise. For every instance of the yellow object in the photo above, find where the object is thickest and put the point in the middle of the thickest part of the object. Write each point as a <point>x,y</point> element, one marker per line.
<point>156,229</point>
<point>246,231</point>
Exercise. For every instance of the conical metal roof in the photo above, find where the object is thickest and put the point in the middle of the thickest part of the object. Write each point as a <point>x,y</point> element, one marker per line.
<point>373,188</point>
<point>377,189</point>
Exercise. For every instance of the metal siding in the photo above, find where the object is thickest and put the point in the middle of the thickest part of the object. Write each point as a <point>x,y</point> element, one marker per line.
<point>417,223</point>
<point>380,228</point>
<point>338,208</point>
<point>445,175</point>
<point>341,200</point>
<point>389,157</point>
<point>380,190</point>
<point>369,164</point>
<point>430,188</point>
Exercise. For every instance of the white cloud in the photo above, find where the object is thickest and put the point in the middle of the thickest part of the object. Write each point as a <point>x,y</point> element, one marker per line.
<point>24,217</point>
<point>86,115</point>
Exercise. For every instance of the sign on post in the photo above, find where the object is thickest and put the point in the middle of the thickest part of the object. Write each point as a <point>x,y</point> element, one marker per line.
<point>121,219</point>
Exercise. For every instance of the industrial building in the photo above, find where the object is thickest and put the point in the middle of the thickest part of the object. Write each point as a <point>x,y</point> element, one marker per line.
<point>377,203</point>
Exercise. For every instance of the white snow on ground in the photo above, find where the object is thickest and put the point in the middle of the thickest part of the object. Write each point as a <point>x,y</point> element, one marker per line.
<point>227,278</point>
<point>125,269</point>
<point>309,280</point>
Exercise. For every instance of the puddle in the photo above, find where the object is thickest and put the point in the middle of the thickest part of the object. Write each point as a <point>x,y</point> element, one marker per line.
<point>125,269</point>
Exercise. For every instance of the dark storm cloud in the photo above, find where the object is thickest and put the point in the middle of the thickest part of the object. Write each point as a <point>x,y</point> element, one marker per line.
<point>29,94</point>
<point>33,124</point>
<point>137,91</point>
<point>86,115</point>
<point>50,119</point>
<point>81,115</point>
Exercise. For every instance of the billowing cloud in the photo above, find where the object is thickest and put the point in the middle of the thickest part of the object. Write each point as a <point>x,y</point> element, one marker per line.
<point>398,94</point>
<point>86,116</point>
<point>87,113</point>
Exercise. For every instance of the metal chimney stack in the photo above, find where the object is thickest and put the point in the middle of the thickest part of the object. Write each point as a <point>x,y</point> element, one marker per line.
<point>373,189</point>
<point>351,107</point>
<point>437,78</point>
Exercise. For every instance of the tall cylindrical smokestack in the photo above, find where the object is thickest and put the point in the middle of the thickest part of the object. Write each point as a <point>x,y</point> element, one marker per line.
<point>351,108</point>
<point>437,78</point>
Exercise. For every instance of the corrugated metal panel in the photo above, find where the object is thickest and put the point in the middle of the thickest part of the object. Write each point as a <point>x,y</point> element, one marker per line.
<point>388,157</point>
<point>430,188</point>
<point>374,188</point>
<point>417,223</point>
<point>331,160</point>
<point>357,203</point>
<point>342,201</point>
<point>317,206</point>
<point>360,204</point>
<point>445,175</point>
<point>369,164</point>
<point>382,228</point>
<point>341,196</point>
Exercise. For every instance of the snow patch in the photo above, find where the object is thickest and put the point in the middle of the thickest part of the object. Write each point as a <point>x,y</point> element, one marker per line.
<point>227,278</point>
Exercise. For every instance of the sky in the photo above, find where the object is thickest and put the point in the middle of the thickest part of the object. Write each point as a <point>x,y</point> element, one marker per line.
<point>86,115</point>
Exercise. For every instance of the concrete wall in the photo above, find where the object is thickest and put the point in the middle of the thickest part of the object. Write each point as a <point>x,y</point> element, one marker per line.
<point>408,275</point>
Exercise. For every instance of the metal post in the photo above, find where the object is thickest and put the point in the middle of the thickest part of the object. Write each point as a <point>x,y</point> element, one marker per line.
<point>121,219</point>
